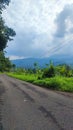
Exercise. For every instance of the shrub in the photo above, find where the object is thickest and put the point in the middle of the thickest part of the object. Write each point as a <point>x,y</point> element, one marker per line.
<point>49,72</point>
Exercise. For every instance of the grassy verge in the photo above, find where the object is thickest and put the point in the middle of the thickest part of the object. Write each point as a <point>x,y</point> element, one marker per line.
<point>56,83</point>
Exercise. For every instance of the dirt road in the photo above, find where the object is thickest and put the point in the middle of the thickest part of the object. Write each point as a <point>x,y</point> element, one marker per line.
<point>28,107</point>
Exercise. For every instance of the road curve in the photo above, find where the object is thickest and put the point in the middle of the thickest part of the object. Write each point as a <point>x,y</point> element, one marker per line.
<point>24,106</point>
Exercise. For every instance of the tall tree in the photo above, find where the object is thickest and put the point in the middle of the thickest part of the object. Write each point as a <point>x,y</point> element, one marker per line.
<point>6,33</point>
<point>3,3</point>
<point>5,64</point>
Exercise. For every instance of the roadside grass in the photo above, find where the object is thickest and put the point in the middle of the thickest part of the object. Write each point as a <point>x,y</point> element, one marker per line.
<point>24,77</point>
<point>55,83</point>
<point>0,72</point>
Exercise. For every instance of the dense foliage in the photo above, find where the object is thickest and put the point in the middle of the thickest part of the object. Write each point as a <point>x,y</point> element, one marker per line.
<point>6,35</point>
<point>49,71</point>
<point>53,77</point>
<point>5,64</point>
<point>3,3</point>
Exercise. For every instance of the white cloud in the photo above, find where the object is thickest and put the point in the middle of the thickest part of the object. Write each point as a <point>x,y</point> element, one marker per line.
<point>15,57</point>
<point>35,26</point>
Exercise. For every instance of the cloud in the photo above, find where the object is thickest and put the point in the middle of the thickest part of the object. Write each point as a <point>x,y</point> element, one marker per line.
<point>63,36</point>
<point>40,26</point>
<point>12,57</point>
<point>64,21</point>
<point>30,44</point>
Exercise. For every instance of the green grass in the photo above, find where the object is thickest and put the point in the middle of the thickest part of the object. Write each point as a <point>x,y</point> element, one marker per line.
<point>24,77</point>
<point>55,83</point>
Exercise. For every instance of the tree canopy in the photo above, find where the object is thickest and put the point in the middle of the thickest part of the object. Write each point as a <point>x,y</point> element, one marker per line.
<point>5,64</point>
<point>6,35</point>
<point>3,3</point>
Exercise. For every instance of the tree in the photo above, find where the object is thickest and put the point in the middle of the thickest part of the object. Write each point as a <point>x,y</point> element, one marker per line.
<point>6,35</point>
<point>13,67</point>
<point>65,71</point>
<point>49,71</point>
<point>35,66</point>
<point>3,3</point>
<point>5,64</point>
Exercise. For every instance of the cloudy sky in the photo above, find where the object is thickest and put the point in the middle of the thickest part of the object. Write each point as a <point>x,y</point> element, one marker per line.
<point>43,28</point>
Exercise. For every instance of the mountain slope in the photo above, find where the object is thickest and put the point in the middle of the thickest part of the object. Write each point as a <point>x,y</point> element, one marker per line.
<point>56,59</point>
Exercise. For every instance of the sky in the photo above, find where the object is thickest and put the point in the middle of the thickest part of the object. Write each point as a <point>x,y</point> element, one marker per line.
<point>43,28</point>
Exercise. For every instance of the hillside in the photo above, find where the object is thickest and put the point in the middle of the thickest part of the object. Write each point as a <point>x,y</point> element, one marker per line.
<point>56,59</point>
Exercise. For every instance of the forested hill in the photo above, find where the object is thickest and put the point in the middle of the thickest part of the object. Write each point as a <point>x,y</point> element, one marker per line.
<point>42,62</point>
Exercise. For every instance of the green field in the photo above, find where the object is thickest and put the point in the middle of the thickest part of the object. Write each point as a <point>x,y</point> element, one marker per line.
<point>55,83</point>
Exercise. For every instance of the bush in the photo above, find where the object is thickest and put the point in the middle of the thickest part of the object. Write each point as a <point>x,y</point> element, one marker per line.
<point>49,72</point>
<point>64,70</point>
<point>55,83</point>
<point>20,70</point>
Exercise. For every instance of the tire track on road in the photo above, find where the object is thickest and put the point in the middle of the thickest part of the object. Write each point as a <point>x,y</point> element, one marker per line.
<point>27,96</point>
<point>48,114</point>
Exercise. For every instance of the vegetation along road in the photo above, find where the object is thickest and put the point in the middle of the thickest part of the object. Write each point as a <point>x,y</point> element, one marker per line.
<point>24,106</point>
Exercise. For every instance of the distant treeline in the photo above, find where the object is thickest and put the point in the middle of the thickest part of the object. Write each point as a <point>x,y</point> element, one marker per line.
<point>49,71</point>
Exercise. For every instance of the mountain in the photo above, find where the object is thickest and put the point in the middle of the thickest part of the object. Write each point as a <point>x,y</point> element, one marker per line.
<point>56,59</point>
